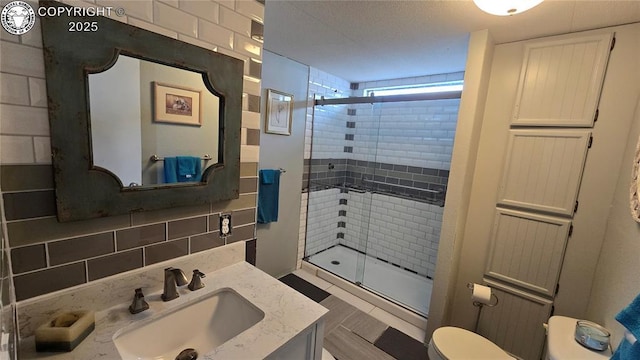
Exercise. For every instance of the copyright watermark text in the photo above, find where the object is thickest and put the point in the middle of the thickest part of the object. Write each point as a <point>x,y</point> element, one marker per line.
<point>18,17</point>
<point>77,11</point>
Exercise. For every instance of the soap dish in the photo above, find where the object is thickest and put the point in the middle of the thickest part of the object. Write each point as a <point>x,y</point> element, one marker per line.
<point>591,335</point>
<point>65,331</point>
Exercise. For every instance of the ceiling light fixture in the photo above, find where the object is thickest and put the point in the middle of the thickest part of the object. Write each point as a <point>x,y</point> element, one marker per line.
<point>506,7</point>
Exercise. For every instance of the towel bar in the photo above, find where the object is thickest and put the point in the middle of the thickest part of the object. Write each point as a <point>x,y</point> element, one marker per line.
<point>155,157</point>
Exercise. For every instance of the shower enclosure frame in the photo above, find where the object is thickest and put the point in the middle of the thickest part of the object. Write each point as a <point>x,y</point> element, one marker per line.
<point>367,100</point>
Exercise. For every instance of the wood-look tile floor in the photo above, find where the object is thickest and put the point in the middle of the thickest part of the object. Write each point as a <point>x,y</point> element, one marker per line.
<point>351,334</point>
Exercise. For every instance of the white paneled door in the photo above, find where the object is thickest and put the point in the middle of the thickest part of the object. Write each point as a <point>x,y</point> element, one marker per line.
<point>527,250</point>
<point>515,324</point>
<point>561,81</point>
<point>543,169</point>
<point>557,101</point>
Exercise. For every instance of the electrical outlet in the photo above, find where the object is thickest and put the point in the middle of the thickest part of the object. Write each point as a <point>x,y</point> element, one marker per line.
<point>225,225</point>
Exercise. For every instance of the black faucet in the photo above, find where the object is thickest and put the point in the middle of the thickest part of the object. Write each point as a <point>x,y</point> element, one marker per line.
<point>172,279</point>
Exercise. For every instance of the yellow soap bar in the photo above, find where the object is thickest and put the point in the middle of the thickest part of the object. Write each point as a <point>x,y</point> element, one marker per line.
<point>65,331</point>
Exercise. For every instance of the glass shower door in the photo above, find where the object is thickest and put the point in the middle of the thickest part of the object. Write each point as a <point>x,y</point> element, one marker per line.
<point>377,182</point>
<point>338,204</point>
<point>406,205</point>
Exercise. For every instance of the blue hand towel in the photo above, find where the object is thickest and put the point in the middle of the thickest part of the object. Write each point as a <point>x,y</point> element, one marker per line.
<point>629,317</point>
<point>170,172</point>
<point>268,176</point>
<point>189,168</point>
<point>268,196</point>
<point>627,351</point>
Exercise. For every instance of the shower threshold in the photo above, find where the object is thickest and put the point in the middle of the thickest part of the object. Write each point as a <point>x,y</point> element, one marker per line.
<point>400,286</point>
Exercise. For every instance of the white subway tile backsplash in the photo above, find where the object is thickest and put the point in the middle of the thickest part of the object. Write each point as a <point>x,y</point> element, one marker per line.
<point>38,92</point>
<point>247,46</point>
<point>203,9</point>
<point>174,3</point>
<point>251,87</point>
<point>34,36</point>
<point>252,9</point>
<point>251,120</point>
<point>196,42</point>
<point>5,36</point>
<point>230,4</point>
<point>24,120</point>
<point>140,9</point>
<point>249,153</point>
<point>42,149</point>
<point>14,89</point>
<point>234,21</point>
<point>152,27</point>
<point>215,34</point>
<point>21,60</point>
<point>16,149</point>
<point>243,136</point>
<point>174,19</point>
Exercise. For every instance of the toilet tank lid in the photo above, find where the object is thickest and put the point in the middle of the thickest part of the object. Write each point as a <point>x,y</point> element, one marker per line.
<point>457,343</point>
<point>562,344</point>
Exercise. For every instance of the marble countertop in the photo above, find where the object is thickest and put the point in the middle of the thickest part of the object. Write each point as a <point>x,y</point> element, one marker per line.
<point>287,313</point>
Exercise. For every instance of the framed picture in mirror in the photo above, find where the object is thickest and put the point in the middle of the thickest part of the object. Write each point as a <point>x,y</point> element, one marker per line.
<point>278,113</point>
<point>176,105</point>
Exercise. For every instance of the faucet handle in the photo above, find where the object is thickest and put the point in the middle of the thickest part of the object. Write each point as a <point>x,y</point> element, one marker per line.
<point>196,280</point>
<point>139,304</point>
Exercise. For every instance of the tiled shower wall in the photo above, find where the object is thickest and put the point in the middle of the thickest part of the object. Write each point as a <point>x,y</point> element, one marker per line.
<point>47,255</point>
<point>401,150</point>
<point>322,223</point>
<point>400,231</point>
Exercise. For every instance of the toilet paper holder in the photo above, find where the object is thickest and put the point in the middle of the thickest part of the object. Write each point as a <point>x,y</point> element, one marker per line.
<point>479,304</point>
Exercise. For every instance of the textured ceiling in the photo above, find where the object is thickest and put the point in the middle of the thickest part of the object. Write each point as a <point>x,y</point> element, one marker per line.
<point>375,40</point>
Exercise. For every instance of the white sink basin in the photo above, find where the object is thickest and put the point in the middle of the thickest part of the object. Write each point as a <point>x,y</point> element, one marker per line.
<point>203,325</point>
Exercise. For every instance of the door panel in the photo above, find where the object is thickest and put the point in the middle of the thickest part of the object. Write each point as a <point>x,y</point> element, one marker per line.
<point>527,250</point>
<point>561,80</point>
<point>543,169</point>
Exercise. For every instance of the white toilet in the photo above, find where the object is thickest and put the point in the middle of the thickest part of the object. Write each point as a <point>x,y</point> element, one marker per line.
<point>452,343</point>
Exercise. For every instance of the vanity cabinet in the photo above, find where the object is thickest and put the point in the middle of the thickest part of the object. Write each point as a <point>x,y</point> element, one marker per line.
<point>306,345</point>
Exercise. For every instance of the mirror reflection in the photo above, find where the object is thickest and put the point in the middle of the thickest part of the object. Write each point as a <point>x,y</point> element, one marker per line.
<point>152,124</point>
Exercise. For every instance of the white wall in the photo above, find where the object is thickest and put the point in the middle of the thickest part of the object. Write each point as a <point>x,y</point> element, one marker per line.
<point>277,242</point>
<point>114,97</point>
<point>463,163</point>
<point>616,282</point>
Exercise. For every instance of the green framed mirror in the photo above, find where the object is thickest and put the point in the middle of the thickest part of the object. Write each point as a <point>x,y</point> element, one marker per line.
<point>185,118</point>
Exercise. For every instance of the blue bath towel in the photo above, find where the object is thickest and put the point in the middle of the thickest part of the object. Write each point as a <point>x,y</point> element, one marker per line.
<point>629,317</point>
<point>268,196</point>
<point>170,170</point>
<point>189,168</point>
